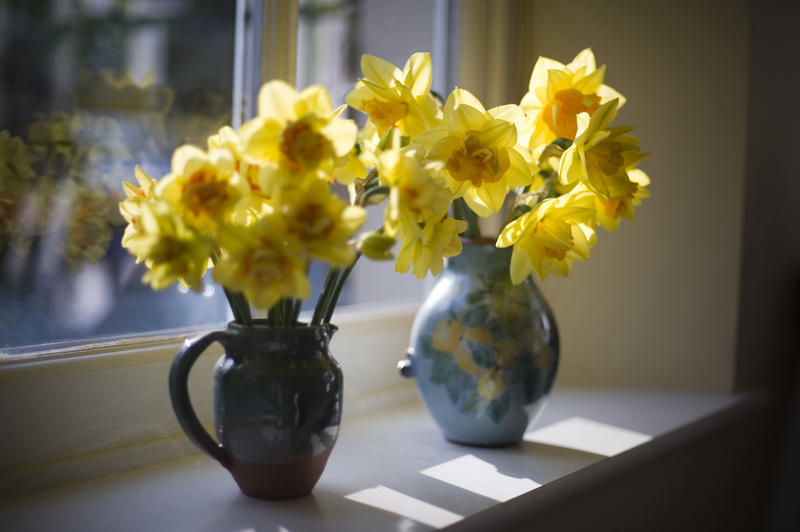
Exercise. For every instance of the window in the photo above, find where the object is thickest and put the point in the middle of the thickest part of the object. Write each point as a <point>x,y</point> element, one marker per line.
<point>110,85</point>
<point>91,89</point>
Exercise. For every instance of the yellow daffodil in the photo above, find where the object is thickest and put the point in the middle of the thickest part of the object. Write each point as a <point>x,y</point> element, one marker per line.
<point>480,152</point>
<point>169,248</point>
<point>299,132</point>
<point>601,155</point>
<point>227,139</point>
<point>261,263</point>
<point>557,93</point>
<point>203,187</point>
<point>418,188</point>
<point>427,247</point>
<point>129,207</point>
<point>321,222</point>
<point>551,236</point>
<point>352,169</point>
<point>609,210</point>
<point>394,97</point>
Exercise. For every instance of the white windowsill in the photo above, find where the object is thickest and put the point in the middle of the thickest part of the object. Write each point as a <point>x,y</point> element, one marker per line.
<point>388,450</point>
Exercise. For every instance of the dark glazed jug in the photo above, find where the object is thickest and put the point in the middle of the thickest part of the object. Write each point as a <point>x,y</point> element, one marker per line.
<point>277,405</point>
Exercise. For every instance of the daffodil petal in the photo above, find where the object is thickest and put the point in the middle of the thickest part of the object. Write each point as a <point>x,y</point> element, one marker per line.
<point>465,118</point>
<point>520,267</point>
<point>497,132</point>
<point>418,73</point>
<point>540,69</point>
<point>276,100</point>
<point>584,59</point>
<point>379,70</point>
<point>513,231</point>
<point>313,100</point>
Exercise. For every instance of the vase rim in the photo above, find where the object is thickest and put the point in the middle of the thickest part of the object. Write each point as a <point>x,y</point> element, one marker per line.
<point>478,241</point>
<point>262,324</point>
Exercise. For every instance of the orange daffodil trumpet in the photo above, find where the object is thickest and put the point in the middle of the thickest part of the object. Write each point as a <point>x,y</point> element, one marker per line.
<point>391,97</point>
<point>480,151</point>
<point>259,204</point>
<point>558,93</point>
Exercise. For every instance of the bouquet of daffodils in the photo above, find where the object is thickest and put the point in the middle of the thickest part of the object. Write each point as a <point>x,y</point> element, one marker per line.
<point>258,204</point>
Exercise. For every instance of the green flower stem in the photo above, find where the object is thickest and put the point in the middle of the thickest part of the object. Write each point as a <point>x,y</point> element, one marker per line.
<point>372,191</point>
<point>461,211</point>
<point>324,296</point>
<point>387,137</point>
<point>296,305</point>
<point>338,289</point>
<point>287,305</point>
<point>239,306</point>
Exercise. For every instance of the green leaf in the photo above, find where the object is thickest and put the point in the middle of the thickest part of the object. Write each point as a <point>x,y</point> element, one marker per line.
<point>426,348</point>
<point>442,367</point>
<point>482,354</point>
<point>454,382</point>
<point>471,403</point>
<point>498,408</point>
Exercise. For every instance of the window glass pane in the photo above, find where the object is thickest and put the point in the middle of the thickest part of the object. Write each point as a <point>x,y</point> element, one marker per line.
<point>88,90</point>
<point>332,37</point>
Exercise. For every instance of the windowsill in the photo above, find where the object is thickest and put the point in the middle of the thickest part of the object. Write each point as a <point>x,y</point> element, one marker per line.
<point>391,448</point>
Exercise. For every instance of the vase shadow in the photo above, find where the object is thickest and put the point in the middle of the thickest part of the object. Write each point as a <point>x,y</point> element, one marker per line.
<point>542,463</point>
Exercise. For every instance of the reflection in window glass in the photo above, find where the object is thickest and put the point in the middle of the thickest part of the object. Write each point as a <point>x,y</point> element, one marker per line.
<point>88,90</point>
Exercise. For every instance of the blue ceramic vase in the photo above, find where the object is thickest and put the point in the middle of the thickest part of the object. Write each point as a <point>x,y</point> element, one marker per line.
<point>483,351</point>
<point>277,405</point>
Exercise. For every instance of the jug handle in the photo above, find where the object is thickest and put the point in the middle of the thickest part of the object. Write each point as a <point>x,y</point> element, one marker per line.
<point>179,394</point>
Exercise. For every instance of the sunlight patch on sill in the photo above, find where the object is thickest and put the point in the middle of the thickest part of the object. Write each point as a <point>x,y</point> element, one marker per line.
<point>404,505</point>
<point>473,474</point>
<point>589,436</point>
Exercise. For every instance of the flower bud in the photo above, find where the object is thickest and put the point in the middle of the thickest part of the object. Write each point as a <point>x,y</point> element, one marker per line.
<point>376,246</point>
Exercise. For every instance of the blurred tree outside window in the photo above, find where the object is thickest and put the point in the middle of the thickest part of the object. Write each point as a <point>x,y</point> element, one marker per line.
<point>89,89</point>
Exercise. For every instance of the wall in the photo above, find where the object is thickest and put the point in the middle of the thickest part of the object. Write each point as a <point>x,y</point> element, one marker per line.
<point>769,316</point>
<point>657,302</point>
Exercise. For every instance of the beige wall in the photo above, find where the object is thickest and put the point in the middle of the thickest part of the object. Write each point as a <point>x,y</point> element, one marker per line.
<point>657,302</point>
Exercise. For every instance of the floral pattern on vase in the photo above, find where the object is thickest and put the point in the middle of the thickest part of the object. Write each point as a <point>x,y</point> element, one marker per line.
<point>484,352</point>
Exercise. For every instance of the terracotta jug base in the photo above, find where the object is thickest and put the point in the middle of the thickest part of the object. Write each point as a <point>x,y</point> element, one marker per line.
<point>279,481</point>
